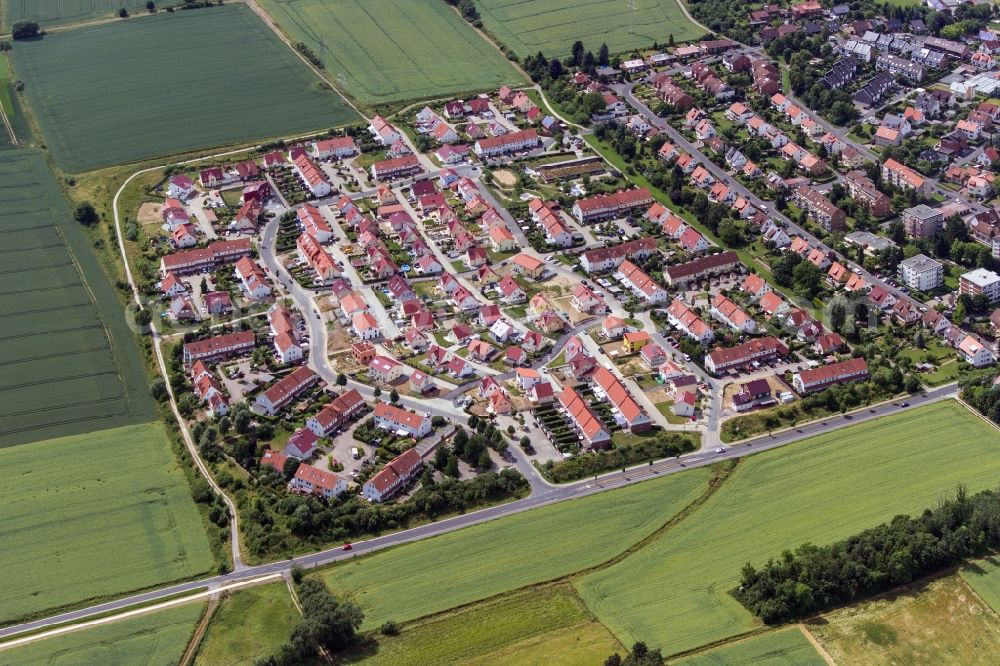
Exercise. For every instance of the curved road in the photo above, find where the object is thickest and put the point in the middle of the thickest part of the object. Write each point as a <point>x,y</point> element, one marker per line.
<point>550,496</point>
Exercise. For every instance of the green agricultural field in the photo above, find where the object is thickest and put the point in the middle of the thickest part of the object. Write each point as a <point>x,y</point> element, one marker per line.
<point>551,26</point>
<point>394,50</point>
<point>787,647</point>
<point>95,515</point>
<point>56,12</point>
<point>983,576</point>
<point>156,638</point>
<point>5,87</point>
<point>578,645</point>
<point>675,592</point>
<point>68,362</point>
<point>474,563</point>
<point>486,631</point>
<point>157,86</point>
<point>254,622</point>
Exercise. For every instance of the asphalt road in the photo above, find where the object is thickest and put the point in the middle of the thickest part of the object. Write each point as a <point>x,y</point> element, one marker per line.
<point>549,496</point>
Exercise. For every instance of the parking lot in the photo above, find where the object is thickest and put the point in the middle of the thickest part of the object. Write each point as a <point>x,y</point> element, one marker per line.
<point>340,450</point>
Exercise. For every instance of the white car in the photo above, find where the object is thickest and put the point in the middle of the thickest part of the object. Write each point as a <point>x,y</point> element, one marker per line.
<point>720,450</point>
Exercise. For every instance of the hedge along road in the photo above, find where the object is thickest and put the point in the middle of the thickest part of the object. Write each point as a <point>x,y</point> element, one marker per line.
<point>68,361</point>
<point>126,91</point>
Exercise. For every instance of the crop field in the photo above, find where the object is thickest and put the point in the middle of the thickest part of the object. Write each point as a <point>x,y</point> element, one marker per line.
<point>494,631</point>
<point>941,622</point>
<point>106,95</point>
<point>60,374</point>
<point>394,50</point>
<point>578,645</point>
<point>5,86</point>
<point>787,647</point>
<point>56,12</point>
<point>447,571</point>
<point>94,515</point>
<point>551,26</point>
<point>155,638</point>
<point>675,592</point>
<point>254,622</point>
<point>983,576</point>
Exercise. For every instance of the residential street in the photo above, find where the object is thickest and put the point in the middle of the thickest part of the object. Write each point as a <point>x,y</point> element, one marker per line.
<point>625,91</point>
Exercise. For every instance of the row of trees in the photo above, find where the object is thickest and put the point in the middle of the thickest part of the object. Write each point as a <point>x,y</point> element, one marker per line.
<point>663,445</point>
<point>814,578</point>
<point>276,521</point>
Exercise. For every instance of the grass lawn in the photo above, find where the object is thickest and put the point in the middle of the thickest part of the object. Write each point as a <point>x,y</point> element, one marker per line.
<point>667,409</point>
<point>437,574</point>
<point>95,515</point>
<point>942,622</point>
<point>983,576</point>
<point>551,26</point>
<point>253,622</point>
<point>943,357</point>
<point>675,592</point>
<point>155,638</point>
<point>395,50</point>
<point>55,12</point>
<point>946,372</point>
<point>105,94</point>
<point>777,648</point>
<point>68,361</point>
<point>496,630</point>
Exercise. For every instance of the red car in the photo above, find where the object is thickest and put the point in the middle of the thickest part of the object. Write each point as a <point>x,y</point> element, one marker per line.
<point>347,546</point>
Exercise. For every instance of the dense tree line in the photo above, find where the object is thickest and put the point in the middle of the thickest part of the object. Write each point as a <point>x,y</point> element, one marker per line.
<point>814,578</point>
<point>663,445</point>
<point>275,521</point>
<point>25,30</point>
<point>979,391</point>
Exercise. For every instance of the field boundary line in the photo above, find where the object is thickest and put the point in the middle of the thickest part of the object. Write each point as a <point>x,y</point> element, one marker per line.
<point>8,127</point>
<point>494,42</point>
<point>827,657</point>
<point>683,6</point>
<point>93,300</point>
<point>972,592</point>
<point>87,624</point>
<point>736,639</point>
<point>714,484</point>
<point>194,644</point>
<point>976,412</point>
<point>87,23</point>
<point>276,29</point>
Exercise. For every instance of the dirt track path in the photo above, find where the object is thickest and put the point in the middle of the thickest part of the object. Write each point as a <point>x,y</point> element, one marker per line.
<point>817,645</point>
<point>213,605</point>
